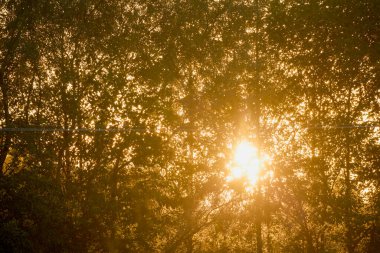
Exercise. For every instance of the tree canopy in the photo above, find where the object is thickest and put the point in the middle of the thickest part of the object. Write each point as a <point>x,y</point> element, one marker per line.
<point>120,125</point>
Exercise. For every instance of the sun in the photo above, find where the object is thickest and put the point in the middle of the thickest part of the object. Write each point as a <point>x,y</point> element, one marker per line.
<point>247,163</point>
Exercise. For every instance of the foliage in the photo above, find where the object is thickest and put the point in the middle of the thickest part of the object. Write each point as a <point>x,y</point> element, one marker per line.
<point>119,118</point>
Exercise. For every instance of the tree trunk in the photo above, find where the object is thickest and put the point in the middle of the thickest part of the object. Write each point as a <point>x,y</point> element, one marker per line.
<point>259,240</point>
<point>348,198</point>
<point>6,137</point>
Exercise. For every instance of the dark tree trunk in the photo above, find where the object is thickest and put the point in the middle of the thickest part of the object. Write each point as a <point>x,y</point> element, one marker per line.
<point>6,137</point>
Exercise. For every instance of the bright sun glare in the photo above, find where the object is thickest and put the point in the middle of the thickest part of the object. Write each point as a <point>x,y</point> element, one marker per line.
<point>247,163</point>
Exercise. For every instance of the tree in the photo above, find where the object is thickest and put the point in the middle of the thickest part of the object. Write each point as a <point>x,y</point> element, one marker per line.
<point>119,119</point>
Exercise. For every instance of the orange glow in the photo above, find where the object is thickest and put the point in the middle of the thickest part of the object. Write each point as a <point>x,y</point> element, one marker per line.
<point>247,163</point>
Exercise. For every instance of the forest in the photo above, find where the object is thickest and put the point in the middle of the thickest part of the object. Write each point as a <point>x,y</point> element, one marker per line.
<point>190,126</point>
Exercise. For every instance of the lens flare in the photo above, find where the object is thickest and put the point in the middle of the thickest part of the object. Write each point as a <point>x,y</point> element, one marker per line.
<point>247,163</point>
